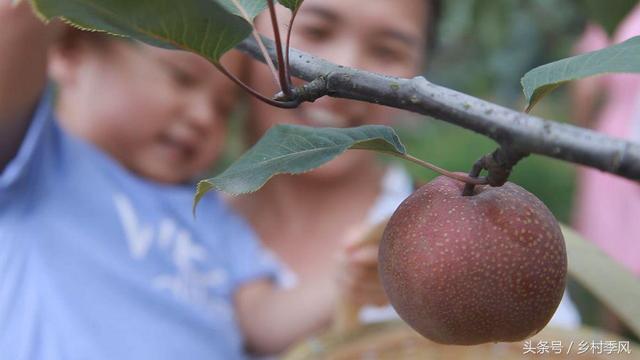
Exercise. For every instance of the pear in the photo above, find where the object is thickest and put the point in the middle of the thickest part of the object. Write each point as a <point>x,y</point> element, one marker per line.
<point>465,270</point>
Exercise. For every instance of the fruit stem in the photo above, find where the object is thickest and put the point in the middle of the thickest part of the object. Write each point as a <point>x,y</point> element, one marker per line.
<point>464,178</point>
<point>290,104</point>
<point>474,173</point>
<point>498,165</point>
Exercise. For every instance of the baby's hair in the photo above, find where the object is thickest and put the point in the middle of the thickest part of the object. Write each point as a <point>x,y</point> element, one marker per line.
<point>97,40</point>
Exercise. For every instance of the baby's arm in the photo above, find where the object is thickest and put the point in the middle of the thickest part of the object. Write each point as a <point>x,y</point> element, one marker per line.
<point>273,319</point>
<point>23,45</point>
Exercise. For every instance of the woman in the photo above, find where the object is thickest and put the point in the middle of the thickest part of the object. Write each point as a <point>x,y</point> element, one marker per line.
<point>305,219</point>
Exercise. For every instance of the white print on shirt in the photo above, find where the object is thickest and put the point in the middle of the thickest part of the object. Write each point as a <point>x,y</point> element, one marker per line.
<point>140,237</point>
<point>187,282</point>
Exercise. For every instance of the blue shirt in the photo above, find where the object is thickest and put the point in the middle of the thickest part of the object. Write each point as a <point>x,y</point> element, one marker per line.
<point>96,263</point>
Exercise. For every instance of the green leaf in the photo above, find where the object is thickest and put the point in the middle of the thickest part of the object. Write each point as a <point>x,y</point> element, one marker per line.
<point>293,5</point>
<point>202,26</point>
<point>620,58</point>
<point>294,149</point>
<point>605,278</point>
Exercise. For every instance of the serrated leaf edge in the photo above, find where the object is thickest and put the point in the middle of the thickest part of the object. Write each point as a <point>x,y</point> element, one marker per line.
<point>204,186</point>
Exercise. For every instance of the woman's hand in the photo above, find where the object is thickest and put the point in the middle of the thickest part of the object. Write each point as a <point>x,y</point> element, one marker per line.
<point>358,278</point>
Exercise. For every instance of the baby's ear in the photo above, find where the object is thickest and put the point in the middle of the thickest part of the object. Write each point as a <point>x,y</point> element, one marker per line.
<point>67,51</point>
<point>62,62</point>
<point>58,68</point>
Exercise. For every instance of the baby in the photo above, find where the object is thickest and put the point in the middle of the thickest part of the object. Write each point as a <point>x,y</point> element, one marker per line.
<point>100,257</point>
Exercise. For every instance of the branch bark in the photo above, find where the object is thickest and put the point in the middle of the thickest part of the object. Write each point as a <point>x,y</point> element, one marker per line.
<point>511,129</point>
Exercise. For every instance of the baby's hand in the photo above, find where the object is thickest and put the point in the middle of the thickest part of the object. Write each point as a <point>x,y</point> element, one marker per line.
<point>358,279</point>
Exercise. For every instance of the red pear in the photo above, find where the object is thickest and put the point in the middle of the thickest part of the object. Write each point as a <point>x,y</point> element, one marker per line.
<point>473,269</point>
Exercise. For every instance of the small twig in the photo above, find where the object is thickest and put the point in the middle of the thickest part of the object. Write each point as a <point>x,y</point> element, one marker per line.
<point>283,73</point>
<point>308,92</point>
<point>289,104</point>
<point>499,165</point>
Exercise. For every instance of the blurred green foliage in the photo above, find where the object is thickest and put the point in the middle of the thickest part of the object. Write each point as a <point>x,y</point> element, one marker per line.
<point>485,46</point>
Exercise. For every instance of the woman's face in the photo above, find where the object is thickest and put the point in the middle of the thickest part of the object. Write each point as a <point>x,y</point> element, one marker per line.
<point>381,36</point>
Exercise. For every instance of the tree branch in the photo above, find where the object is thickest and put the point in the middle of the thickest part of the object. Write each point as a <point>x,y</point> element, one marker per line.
<point>512,129</point>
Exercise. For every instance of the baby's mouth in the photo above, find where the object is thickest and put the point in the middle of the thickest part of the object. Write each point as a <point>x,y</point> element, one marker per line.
<point>181,148</point>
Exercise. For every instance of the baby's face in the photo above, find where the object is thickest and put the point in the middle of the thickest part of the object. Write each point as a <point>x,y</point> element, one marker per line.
<point>160,113</point>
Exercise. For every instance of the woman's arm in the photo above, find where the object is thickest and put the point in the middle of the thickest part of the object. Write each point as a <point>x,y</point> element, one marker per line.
<point>23,63</point>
